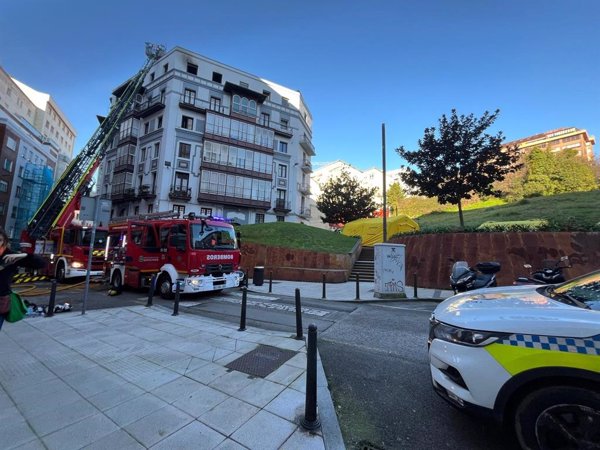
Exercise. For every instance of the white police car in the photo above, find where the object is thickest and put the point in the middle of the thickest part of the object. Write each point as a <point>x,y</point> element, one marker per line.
<point>528,355</point>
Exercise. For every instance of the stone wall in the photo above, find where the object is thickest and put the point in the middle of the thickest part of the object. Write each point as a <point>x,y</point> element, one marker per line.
<point>428,255</point>
<point>298,265</point>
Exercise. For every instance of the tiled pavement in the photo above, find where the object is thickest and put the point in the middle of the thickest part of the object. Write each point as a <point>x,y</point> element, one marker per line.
<point>137,377</point>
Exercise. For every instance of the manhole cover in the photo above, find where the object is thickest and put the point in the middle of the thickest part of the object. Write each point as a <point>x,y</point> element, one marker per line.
<point>261,361</point>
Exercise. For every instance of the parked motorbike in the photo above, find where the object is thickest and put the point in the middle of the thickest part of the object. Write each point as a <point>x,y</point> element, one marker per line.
<point>550,273</point>
<point>465,278</point>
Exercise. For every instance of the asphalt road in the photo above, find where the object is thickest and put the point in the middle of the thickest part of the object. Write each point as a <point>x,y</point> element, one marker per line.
<point>374,355</point>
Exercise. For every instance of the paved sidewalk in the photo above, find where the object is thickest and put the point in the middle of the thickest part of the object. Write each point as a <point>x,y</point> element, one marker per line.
<point>137,377</point>
<point>343,291</point>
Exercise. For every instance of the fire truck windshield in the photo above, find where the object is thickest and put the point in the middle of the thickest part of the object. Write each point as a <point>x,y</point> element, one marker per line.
<point>99,239</point>
<point>213,237</point>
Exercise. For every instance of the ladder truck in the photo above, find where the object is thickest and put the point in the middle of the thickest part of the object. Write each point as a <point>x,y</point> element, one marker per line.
<point>202,254</point>
<point>55,231</point>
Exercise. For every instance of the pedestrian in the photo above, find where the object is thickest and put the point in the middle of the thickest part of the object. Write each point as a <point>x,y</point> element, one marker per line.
<point>10,261</point>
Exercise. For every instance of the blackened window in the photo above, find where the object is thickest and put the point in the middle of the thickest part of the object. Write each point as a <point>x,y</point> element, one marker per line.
<point>192,68</point>
<point>217,77</point>
<point>187,122</point>
<point>184,150</point>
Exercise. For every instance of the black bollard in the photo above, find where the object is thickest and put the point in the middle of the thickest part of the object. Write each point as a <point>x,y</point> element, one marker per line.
<point>415,284</point>
<point>310,421</point>
<point>324,291</point>
<point>177,294</point>
<point>52,301</point>
<point>357,287</point>
<point>243,314</point>
<point>151,290</point>
<point>298,316</point>
<point>270,282</point>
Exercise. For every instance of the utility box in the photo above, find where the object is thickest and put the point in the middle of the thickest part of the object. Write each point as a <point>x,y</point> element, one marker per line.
<point>390,277</point>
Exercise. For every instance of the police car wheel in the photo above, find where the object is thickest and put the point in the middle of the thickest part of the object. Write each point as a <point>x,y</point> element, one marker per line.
<point>165,287</point>
<point>559,417</point>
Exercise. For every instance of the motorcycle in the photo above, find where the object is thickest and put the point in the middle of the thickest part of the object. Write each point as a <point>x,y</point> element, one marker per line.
<point>550,273</point>
<point>465,278</point>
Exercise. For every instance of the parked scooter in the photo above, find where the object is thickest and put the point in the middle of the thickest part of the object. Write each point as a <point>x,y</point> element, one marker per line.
<point>550,273</point>
<point>465,278</point>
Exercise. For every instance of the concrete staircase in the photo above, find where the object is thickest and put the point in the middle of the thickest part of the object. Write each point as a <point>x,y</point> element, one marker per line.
<point>364,265</point>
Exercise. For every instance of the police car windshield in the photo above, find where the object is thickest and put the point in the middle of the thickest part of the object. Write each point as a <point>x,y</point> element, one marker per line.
<point>584,290</point>
<point>212,237</point>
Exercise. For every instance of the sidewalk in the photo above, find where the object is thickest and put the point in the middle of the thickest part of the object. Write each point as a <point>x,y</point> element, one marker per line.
<point>343,291</point>
<point>137,377</point>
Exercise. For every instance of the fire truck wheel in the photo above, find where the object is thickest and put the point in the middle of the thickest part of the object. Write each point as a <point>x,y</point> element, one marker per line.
<point>117,282</point>
<point>165,287</point>
<point>61,272</point>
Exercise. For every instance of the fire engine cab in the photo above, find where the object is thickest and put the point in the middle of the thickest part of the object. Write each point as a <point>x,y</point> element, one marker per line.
<point>200,253</point>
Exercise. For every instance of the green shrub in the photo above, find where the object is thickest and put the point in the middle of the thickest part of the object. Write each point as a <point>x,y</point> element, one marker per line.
<point>516,225</point>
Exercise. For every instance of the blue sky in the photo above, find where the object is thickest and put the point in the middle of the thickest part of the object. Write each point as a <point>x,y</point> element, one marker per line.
<point>358,64</point>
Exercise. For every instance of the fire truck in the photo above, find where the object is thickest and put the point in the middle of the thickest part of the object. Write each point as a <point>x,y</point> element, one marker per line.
<point>201,254</point>
<point>55,231</point>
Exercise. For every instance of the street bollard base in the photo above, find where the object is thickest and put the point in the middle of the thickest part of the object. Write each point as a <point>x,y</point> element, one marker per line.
<point>310,425</point>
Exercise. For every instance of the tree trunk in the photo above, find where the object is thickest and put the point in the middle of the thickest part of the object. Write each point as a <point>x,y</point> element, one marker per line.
<point>460,215</point>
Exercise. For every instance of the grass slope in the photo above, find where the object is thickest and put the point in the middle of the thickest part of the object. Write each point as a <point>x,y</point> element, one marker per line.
<point>576,210</point>
<point>295,235</point>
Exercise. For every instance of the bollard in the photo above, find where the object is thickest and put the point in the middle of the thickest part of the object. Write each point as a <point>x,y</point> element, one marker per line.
<point>177,294</point>
<point>415,284</point>
<point>243,314</point>
<point>324,291</point>
<point>270,282</point>
<point>357,287</point>
<point>151,290</point>
<point>298,316</point>
<point>310,421</point>
<point>52,301</point>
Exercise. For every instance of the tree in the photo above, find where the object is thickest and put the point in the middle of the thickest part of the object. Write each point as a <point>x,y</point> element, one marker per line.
<point>461,162</point>
<point>344,199</point>
<point>551,173</point>
<point>395,194</point>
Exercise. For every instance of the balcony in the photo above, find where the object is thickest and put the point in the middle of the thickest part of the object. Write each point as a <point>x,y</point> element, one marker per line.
<point>150,106</point>
<point>306,144</point>
<point>306,166</point>
<point>304,188</point>
<point>144,192</point>
<point>233,201</point>
<point>283,130</point>
<point>123,195</point>
<point>124,164</point>
<point>184,194</point>
<point>305,212</point>
<point>192,103</point>
<point>281,205</point>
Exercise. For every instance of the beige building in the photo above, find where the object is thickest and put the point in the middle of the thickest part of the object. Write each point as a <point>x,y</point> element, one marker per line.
<point>558,140</point>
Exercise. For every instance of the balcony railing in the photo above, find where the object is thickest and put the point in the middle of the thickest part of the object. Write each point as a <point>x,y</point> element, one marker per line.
<point>124,163</point>
<point>304,188</point>
<point>307,145</point>
<point>123,195</point>
<point>180,194</point>
<point>150,106</point>
<point>306,166</point>
<point>305,212</point>
<point>146,192</point>
<point>196,104</point>
<point>282,205</point>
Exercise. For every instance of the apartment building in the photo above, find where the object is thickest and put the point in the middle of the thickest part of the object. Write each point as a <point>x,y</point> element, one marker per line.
<point>211,139</point>
<point>559,140</point>
<point>40,111</point>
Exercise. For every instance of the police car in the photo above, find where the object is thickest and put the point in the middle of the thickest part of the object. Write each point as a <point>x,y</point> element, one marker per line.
<point>527,355</point>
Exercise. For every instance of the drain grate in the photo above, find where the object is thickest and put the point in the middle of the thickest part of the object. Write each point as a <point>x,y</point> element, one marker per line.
<point>261,361</point>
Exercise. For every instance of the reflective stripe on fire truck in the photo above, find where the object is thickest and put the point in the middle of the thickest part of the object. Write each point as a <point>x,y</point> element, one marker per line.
<point>520,352</point>
<point>98,252</point>
<point>21,278</point>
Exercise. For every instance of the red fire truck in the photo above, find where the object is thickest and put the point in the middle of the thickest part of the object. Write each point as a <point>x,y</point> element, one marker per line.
<point>55,231</point>
<point>200,253</point>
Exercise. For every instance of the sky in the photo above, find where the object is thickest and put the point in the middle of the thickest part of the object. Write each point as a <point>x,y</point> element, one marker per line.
<point>358,64</point>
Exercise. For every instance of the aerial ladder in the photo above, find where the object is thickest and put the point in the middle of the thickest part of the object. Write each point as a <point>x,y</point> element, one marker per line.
<point>52,232</point>
<point>59,207</point>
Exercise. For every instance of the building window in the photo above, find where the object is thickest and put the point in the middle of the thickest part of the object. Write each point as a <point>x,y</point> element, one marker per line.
<point>192,68</point>
<point>182,181</point>
<point>282,171</point>
<point>284,123</point>
<point>244,105</point>
<point>2,208</point>
<point>136,210</point>
<point>146,127</point>
<point>8,165</point>
<point>215,104</point>
<point>265,119</point>
<point>166,68</point>
<point>18,192</point>
<point>143,155</point>
<point>206,211</point>
<point>267,93</point>
<point>184,150</point>
<point>280,218</point>
<point>189,96</point>
<point>217,77</point>
<point>14,213</point>
<point>150,209</point>
<point>159,122</point>
<point>187,122</point>
<point>11,143</point>
<point>3,186</point>
<point>179,209</point>
<point>152,76</point>
<point>260,218</point>
<point>244,84</point>
<point>156,149</point>
<point>282,147</point>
